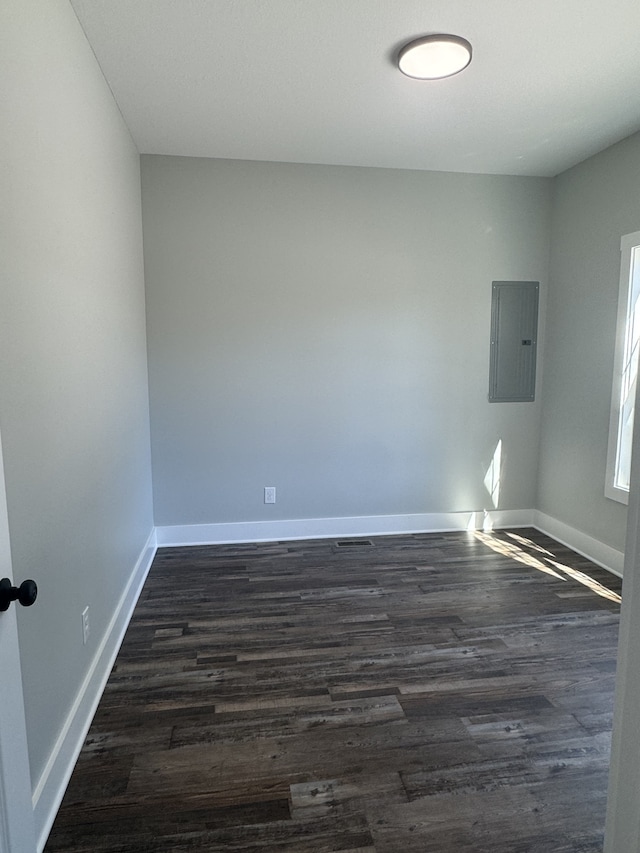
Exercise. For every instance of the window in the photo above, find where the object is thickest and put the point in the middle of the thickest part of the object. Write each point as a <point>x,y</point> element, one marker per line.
<point>625,371</point>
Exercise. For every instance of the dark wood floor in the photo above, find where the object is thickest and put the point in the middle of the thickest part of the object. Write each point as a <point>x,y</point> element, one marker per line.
<point>423,694</point>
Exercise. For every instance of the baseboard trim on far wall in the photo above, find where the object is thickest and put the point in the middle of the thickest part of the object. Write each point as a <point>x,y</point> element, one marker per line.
<point>381,525</point>
<point>603,555</point>
<point>52,784</point>
<point>330,528</point>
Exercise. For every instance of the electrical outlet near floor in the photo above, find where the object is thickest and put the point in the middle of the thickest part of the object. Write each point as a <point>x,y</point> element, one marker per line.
<point>85,625</point>
<point>269,494</point>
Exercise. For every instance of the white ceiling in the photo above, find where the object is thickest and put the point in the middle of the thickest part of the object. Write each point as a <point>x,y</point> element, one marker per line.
<point>314,81</point>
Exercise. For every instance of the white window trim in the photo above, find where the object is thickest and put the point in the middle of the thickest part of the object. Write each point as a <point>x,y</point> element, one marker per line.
<point>627,244</point>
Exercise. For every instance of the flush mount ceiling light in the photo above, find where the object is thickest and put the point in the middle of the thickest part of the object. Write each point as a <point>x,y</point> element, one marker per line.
<point>433,57</point>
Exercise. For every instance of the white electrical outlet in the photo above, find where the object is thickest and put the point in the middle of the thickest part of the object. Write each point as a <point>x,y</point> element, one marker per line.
<point>85,625</point>
<point>269,494</point>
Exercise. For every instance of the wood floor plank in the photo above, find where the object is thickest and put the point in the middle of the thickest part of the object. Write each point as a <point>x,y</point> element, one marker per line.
<point>423,693</point>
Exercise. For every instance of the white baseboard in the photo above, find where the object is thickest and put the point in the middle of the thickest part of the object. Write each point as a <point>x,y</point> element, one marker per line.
<point>603,555</point>
<point>54,779</point>
<point>380,525</point>
<point>330,528</point>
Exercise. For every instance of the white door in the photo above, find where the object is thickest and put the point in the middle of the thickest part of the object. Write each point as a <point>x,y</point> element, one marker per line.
<point>17,833</point>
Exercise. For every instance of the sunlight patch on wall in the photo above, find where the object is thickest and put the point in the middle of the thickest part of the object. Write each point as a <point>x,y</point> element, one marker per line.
<point>492,477</point>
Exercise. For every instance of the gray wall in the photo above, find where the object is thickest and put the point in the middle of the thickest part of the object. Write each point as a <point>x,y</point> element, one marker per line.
<point>595,203</point>
<point>73,386</point>
<point>320,329</point>
<point>326,330</point>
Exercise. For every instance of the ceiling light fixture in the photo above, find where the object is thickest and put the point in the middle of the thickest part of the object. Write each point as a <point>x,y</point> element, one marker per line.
<point>433,57</point>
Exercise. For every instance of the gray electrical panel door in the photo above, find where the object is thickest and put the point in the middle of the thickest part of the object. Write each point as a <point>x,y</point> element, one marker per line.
<point>514,328</point>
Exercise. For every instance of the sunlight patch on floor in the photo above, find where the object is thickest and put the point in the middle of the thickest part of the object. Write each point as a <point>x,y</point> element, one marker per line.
<point>589,582</point>
<point>516,550</point>
<point>528,543</point>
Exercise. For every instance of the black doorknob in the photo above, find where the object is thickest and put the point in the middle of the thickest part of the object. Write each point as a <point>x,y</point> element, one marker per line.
<point>26,593</point>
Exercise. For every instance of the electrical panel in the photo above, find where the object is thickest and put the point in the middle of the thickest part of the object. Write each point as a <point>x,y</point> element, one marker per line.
<point>514,329</point>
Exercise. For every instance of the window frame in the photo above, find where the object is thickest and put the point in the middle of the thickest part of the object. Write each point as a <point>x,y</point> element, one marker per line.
<point>628,303</point>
